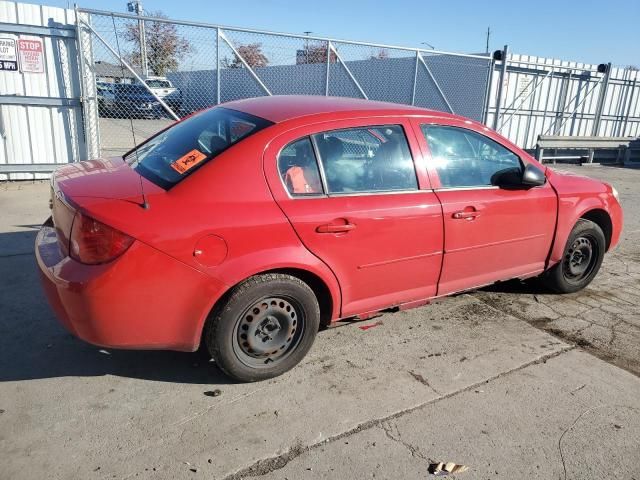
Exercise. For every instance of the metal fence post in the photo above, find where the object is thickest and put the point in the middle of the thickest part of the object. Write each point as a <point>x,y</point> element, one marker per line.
<point>89,107</point>
<point>83,94</point>
<point>218,76</point>
<point>415,79</point>
<point>487,92</point>
<point>632,86</point>
<point>326,80</point>
<point>601,99</point>
<point>503,74</point>
<point>562,103</point>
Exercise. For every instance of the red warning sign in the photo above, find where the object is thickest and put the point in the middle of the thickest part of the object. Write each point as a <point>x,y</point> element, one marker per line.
<point>31,56</point>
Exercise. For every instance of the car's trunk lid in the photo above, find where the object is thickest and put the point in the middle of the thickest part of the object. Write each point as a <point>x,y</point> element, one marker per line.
<point>103,178</point>
<point>77,186</point>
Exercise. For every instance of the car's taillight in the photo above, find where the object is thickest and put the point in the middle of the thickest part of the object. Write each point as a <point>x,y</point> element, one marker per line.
<point>93,242</point>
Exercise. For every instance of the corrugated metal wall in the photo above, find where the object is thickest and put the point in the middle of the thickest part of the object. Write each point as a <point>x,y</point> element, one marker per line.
<point>40,117</point>
<point>556,97</point>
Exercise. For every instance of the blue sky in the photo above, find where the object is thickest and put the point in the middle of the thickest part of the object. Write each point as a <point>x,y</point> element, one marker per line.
<point>585,31</point>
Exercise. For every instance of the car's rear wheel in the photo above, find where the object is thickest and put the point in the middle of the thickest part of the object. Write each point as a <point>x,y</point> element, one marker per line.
<point>581,261</point>
<point>266,325</point>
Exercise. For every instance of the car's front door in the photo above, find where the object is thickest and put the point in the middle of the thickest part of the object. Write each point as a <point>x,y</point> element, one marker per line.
<point>358,201</point>
<point>491,233</point>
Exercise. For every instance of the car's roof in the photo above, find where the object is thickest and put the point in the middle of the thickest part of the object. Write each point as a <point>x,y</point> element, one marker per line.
<point>280,108</point>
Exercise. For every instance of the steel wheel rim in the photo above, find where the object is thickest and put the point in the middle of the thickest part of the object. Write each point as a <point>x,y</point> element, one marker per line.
<point>580,259</point>
<point>268,331</point>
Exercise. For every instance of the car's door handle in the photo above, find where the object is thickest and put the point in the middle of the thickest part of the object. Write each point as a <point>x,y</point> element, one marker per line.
<point>466,215</point>
<point>335,228</point>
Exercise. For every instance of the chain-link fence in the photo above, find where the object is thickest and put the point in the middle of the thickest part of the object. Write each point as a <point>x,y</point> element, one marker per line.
<point>141,73</point>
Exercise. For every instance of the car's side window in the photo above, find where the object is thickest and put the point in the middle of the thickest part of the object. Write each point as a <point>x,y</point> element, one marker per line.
<point>463,158</point>
<point>299,169</point>
<point>366,159</point>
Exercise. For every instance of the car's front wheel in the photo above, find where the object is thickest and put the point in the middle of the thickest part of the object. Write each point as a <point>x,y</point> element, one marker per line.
<point>266,325</point>
<point>581,261</point>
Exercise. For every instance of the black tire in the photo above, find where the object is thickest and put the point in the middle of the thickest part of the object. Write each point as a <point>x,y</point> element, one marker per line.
<point>266,325</point>
<point>581,259</point>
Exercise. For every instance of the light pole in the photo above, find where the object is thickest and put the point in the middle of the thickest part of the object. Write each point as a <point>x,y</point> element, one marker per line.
<point>428,45</point>
<point>136,7</point>
<point>488,36</point>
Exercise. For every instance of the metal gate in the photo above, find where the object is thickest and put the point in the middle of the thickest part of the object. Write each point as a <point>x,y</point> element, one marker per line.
<point>40,119</point>
<point>125,65</point>
<point>532,96</point>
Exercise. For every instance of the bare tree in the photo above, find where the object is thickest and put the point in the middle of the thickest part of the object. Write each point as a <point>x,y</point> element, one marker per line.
<point>164,45</point>
<point>252,54</point>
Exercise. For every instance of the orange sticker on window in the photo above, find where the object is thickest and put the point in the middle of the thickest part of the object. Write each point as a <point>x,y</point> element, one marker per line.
<point>188,161</point>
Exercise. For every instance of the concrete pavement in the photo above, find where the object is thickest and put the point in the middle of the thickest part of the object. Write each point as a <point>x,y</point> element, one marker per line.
<point>475,379</point>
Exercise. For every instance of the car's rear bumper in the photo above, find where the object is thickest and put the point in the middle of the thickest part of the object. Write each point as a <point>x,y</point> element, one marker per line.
<point>144,299</point>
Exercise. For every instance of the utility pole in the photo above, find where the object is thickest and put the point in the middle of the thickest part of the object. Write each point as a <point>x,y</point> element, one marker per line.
<point>488,36</point>
<point>136,7</point>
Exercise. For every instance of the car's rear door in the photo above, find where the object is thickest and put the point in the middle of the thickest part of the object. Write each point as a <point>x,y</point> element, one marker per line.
<point>358,201</point>
<point>491,233</point>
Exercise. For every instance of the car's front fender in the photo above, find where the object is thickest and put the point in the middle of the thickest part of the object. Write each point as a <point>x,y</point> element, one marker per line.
<point>577,197</point>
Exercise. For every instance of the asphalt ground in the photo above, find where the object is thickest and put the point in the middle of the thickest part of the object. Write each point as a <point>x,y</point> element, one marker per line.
<point>510,381</point>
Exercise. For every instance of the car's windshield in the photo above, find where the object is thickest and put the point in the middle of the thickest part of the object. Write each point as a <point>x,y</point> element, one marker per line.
<point>175,153</point>
<point>153,83</point>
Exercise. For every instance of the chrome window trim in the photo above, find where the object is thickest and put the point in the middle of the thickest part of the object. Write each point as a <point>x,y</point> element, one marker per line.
<point>377,192</point>
<point>284,185</point>
<point>316,152</point>
<point>472,187</point>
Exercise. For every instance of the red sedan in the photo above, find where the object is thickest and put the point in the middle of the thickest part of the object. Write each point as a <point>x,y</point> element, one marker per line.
<point>250,225</point>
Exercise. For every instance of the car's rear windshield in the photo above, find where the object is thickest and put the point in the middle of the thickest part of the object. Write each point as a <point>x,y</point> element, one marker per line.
<point>177,152</point>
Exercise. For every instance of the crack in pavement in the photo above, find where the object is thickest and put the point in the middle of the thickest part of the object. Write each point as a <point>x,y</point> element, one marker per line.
<point>423,381</point>
<point>270,464</point>
<point>386,426</point>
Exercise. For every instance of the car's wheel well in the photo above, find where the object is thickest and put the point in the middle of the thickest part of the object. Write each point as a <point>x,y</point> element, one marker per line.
<point>325,301</point>
<point>603,220</point>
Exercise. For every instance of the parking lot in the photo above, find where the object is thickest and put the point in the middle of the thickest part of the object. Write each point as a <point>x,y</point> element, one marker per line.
<point>120,135</point>
<point>511,381</point>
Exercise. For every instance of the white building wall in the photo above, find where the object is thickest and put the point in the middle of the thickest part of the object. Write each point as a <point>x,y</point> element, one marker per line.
<point>29,131</point>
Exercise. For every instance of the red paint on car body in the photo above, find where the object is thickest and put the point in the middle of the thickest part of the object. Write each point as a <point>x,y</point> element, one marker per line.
<point>232,218</point>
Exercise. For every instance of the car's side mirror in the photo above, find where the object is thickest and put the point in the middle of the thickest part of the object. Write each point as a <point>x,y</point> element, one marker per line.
<point>533,176</point>
<point>515,178</point>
